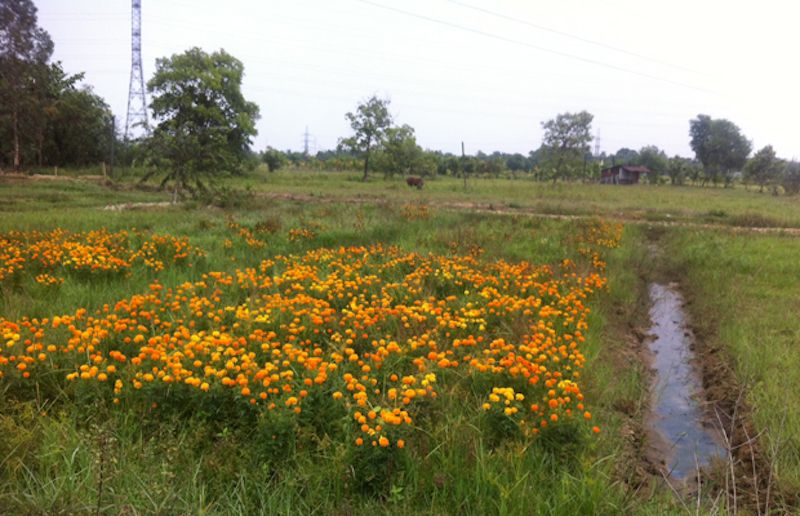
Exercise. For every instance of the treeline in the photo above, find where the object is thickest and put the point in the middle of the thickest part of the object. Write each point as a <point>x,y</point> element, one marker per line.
<point>721,155</point>
<point>763,171</point>
<point>389,163</point>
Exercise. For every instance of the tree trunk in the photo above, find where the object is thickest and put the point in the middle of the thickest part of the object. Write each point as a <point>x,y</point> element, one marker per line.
<point>16,141</point>
<point>558,169</point>
<point>40,150</point>
<point>366,166</point>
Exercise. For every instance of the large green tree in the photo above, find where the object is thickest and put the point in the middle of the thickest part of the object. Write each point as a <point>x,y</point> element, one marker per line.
<point>566,143</point>
<point>719,145</point>
<point>205,124</point>
<point>369,122</point>
<point>25,49</point>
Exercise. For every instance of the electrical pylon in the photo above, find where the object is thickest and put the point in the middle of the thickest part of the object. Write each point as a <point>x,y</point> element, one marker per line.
<point>137,104</point>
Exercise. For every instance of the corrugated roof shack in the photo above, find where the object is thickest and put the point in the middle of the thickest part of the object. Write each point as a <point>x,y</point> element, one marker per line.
<point>622,174</point>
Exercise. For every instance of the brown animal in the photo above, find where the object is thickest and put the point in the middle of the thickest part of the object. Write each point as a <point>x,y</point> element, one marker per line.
<point>415,181</point>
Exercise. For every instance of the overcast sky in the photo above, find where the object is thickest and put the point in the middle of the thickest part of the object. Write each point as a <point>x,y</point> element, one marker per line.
<point>487,73</point>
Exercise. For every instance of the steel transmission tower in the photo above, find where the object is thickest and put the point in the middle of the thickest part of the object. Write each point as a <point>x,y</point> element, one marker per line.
<point>137,105</point>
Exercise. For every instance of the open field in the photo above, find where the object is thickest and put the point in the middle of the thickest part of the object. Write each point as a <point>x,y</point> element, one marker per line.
<point>380,355</point>
<point>732,206</point>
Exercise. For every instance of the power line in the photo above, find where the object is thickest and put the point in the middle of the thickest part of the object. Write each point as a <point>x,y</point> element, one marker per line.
<point>339,72</point>
<point>531,45</point>
<point>572,36</point>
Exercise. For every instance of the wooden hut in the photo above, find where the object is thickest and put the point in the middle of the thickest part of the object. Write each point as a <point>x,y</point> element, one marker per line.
<point>622,174</point>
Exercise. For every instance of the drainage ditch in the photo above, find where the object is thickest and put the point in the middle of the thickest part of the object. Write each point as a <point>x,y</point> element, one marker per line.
<point>690,440</point>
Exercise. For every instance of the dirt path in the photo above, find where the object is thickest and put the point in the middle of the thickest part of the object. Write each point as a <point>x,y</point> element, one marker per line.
<point>138,206</point>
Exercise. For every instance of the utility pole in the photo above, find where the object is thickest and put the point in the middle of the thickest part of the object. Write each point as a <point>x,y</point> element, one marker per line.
<point>137,104</point>
<point>464,165</point>
<point>111,143</point>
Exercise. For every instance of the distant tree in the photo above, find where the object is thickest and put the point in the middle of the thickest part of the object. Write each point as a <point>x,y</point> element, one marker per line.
<point>535,159</point>
<point>790,179</point>
<point>677,169</point>
<point>566,141</point>
<point>428,164</point>
<point>517,163</point>
<point>273,158</point>
<point>625,156</point>
<point>25,49</point>
<point>400,153</point>
<point>453,165</point>
<point>295,157</point>
<point>204,122</point>
<point>764,167</point>
<point>490,164</point>
<point>719,145</point>
<point>655,160</point>
<point>369,122</point>
<point>694,171</point>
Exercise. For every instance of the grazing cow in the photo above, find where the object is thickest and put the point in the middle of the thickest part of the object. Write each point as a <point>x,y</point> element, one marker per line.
<point>415,181</point>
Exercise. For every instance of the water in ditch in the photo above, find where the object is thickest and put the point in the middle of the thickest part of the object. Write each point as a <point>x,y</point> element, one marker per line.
<point>687,431</point>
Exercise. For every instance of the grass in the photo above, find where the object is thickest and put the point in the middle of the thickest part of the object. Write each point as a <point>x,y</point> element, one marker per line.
<point>728,206</point>
<point>723,206</point>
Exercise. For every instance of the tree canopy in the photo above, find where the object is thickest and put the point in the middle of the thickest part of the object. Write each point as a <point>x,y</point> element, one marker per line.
<point>655,160</point>
<point>400,152</point>
<point>626,156</point>
<point>566,142</point>
<point>764,167</point>
<point>719,145</point>
<point>205,124</point>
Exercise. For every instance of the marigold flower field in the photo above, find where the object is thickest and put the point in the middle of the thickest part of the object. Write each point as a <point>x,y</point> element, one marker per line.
<point>367,334</point>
